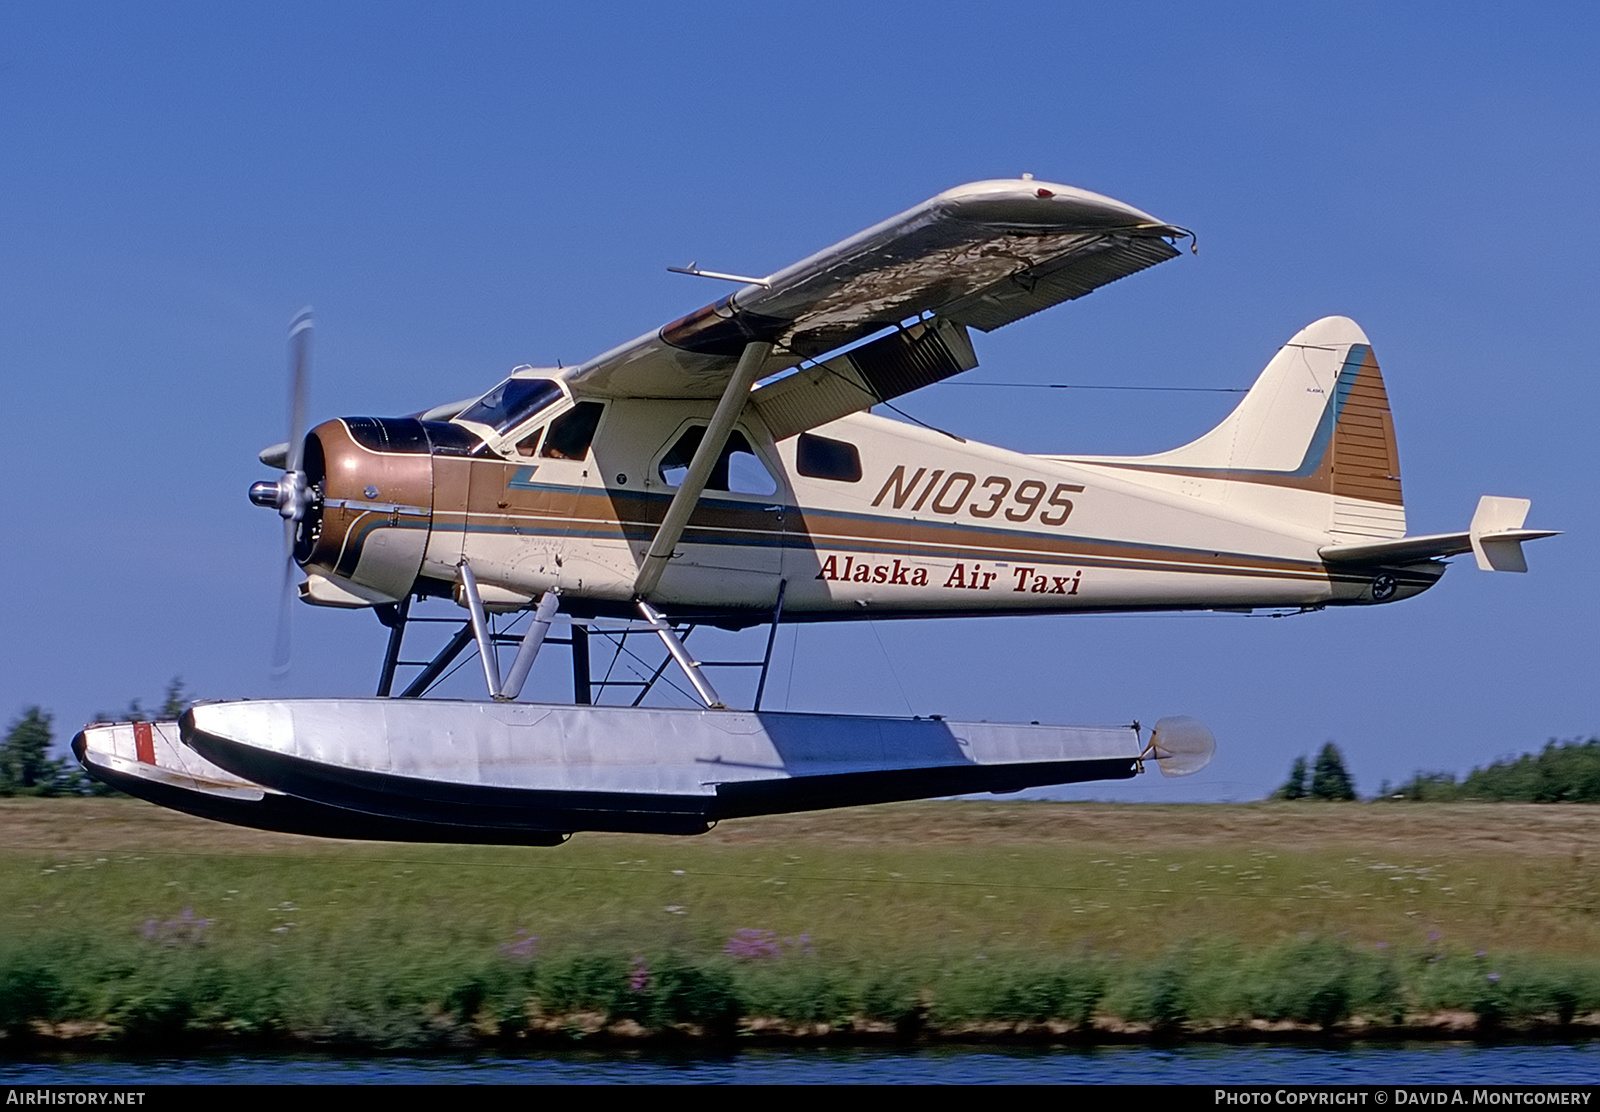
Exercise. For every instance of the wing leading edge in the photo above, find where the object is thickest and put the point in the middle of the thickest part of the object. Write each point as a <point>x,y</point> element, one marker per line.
<point>980,255</point>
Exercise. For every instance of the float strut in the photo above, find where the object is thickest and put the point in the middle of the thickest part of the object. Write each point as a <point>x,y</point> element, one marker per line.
<point>529,649</point>
<point>690,666</point>
<point>772,635</point>
<point>391,655</point>
<point>582,690</point>
<point>480,628</point>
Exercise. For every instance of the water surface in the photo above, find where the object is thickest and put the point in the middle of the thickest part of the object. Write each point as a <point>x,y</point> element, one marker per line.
<point>1364,1064</point>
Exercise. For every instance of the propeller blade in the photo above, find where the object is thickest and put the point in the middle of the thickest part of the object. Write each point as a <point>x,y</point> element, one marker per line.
<point>300,331</point>
<point>1181,745</point>
<point>282,643</point>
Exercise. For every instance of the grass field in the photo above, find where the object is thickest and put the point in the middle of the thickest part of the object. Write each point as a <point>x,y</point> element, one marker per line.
<point>118,919</point>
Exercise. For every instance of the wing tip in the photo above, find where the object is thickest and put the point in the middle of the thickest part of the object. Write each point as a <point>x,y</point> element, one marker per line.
<point>1030,200</point>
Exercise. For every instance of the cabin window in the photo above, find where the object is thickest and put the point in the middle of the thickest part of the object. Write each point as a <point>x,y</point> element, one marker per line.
<point>817,457</point>
<point>738,470</point>
<point>571,433</point>
<point>529,444</point>
<point>512,402</point>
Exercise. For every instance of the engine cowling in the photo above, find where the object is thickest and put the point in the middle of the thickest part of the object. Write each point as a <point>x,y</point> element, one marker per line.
<point>370,511</point>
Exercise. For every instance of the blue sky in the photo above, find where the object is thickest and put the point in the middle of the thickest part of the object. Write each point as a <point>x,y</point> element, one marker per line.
<point>461,189</point>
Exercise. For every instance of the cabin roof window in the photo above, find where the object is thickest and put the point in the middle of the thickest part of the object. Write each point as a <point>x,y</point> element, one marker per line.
<point>818,457</point>
<point>737,471</point>
<point>512,402</point>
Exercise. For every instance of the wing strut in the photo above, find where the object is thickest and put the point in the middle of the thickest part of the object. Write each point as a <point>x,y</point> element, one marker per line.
<point>705,457</point>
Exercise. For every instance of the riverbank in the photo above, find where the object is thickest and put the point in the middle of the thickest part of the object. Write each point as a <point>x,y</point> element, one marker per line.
<point>127,925</point>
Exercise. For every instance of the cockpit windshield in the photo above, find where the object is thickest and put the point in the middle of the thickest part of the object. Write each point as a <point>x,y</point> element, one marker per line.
<point>512,402</point>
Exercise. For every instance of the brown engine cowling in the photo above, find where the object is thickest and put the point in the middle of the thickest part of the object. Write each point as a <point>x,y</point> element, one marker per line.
<point>371,481</point>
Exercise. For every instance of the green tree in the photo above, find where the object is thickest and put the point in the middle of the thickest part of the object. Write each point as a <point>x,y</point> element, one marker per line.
<point>1295,786</point>
<point>1329,780</point>
<point>1427,787</point>
<point>25,764</point>
<point>1564,772</point>
<point>175,701</point>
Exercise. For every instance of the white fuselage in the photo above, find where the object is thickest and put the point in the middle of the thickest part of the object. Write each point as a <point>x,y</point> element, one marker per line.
<point>932,526</point>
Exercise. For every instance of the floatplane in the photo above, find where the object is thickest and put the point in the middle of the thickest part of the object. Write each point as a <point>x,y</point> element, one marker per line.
<point>726,469</point>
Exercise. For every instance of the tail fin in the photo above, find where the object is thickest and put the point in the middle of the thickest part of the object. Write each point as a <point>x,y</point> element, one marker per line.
<point>1316,421</point>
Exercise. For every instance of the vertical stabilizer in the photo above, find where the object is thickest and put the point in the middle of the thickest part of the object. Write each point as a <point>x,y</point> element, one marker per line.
<point>1316,422</point>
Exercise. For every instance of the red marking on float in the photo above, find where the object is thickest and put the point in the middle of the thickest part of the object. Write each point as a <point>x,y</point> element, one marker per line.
<point>144,743</point>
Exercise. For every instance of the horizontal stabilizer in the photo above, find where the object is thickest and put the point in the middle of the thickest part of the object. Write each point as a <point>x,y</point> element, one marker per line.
<point>1495,538</point>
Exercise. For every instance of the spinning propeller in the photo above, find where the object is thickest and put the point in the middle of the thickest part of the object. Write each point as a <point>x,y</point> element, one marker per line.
<point>1181,745</point>
<point>291,495</point>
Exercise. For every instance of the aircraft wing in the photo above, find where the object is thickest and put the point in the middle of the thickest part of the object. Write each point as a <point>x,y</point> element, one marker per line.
<point>980,256</point>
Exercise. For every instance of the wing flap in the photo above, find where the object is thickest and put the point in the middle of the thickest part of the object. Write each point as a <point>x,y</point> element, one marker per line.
<point>896,364</point>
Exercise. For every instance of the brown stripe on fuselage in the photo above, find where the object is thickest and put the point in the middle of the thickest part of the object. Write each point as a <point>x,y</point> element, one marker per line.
<point>824,530</point>
<point>1079,551</point>
<point>616,513</point>
<point>634,516</point>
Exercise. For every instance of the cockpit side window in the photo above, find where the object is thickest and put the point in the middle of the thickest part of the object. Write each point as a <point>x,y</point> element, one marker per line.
<point>738,470</point>
<point>512,402</point>
<point>571,433</point>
